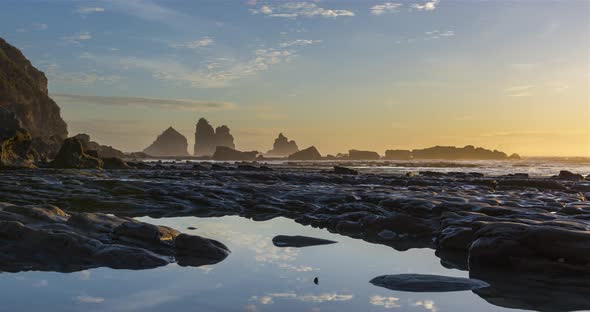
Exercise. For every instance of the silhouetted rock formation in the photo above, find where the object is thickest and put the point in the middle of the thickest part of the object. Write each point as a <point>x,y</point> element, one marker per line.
<point>23,90</point>
<point>169,143</point>
<point>72,155</point>
<point>398,155</point>
<point>206,139</point>
<point>283,147</point>
<point>363,155</point>
<point>15,142</point>
<point>514,157</point>
<point>310,153</point>
<point>102,151</point>
<point>226,153</point>
<point>457,153</point>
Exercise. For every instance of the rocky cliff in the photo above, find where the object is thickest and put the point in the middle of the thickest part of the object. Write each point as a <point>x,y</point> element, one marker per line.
<point>23,90</point>
<point>283,147</point>
<point>207,139</point>
<point>169,143</point>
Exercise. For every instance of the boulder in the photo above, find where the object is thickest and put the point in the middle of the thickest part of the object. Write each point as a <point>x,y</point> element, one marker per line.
<point>194,250</point>
<point>299,241</point>
<point>569,176</point>
<point>169,143</point>
<point>226,153</point>
<point>344,170</point>
<point>72,155</point>
<point>362,155</point>
<point>427,283</point>
<point>310,153</point>
<point>114,163</point>
<point>283,147</point>
<point>398,155</point>
<point>102,151</point>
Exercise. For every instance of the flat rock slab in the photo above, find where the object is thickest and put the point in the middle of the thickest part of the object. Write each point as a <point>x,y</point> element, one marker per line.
<point>427,283</point>
<point>299,241</point>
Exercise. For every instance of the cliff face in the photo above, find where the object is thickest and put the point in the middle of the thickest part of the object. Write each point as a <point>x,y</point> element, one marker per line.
<point>207,139</point>
<point>169,143</point>
<point>23,90</point>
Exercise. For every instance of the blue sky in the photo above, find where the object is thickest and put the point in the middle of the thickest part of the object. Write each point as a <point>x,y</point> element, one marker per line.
<point>512,75</point>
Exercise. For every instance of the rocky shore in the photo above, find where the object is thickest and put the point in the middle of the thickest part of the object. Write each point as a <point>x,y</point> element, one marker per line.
<point>510,223</point>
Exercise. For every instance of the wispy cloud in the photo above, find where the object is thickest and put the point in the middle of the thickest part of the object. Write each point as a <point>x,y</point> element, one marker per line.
<point>520,91</point>
<point>298,42</point>
<point>299,9</point>
<point>89,10</point>
<point>387,7</point>
<point>203,42</point>
<point>40,26</point>
<point>386,302</point>
<point>325,297</point>
<point>56,74</point>
<point>426,304</point>
<point>427,6</point>
<point>89,299</point>
<point>145,102</point>
<point>76,38</point>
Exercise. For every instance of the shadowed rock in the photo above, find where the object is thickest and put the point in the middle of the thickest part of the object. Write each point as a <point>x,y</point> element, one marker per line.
<point>103,151</point>
<point>398,155</point>
<point>72,155</point>
<point>207,139</point>
<point>569,176</point>
<point>169,143</point>
<point>283,147</point>
<point>344,170</point>
<point>46,238</point>
<point>23,91</point>
<point>427,283</point>
<point>363,155</point>
<point>451,152</point>
<point>15,142</point>
<point>226,153</point>
<point>299,241</point>
<point>310,153</point>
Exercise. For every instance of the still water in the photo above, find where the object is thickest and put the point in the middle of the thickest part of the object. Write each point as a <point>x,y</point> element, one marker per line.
<point>257,276</point>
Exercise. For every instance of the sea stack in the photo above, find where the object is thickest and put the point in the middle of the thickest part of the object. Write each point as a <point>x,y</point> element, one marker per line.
<point>169,143</point>
<point>283,147</point>
<point>207,139</point>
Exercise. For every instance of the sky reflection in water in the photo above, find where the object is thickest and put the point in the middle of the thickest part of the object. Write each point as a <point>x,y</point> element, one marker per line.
<point>257,276</point>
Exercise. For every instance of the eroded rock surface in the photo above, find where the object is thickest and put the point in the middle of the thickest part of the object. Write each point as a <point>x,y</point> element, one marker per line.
<point>45,238</point>
<point>72,155</point>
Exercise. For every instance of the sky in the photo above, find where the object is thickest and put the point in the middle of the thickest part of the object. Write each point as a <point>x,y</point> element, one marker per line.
<point>336,74</point>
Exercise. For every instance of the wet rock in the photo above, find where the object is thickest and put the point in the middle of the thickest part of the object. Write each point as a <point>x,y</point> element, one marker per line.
<point>169,143</point>
<point>363,155</point>
<point>115,163</point>
<point>283,147</point>
<point>569,176</point>
<point>299,241</point>
<point>195,250</point>
<point>310,153</point>
<point>427,283</point>
<point>72,155</point>
<point>538,247</point>
<point>344,170</point>
<point>226,153</point>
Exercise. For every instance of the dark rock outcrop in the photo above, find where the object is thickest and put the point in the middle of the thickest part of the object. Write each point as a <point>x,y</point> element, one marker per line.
<point>569,176</point>
<point>363,155</point>
<point>427,283</point>
<point>299,241</point>
<point>15,142</point>
<point>310,153</point>
<point>344,170</point>
<point>45,238</point>
<point>207,139</point>
<point>398,155</point>
<point>102,151</point>
<point>457,153</point>
<point>226,153</point>
<point>169,143</point>
<point>72,155</point>
<point>23,90</point>
<point>283,147</point>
